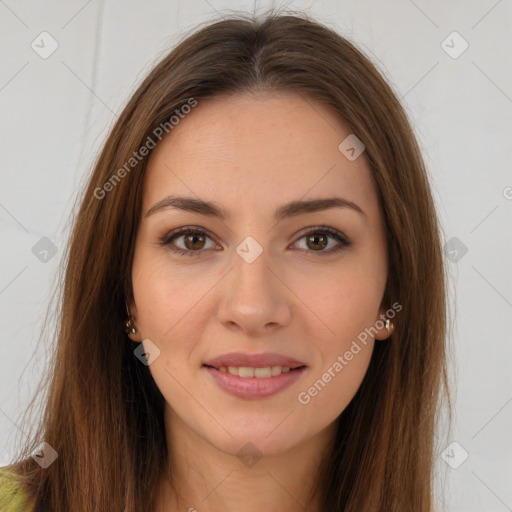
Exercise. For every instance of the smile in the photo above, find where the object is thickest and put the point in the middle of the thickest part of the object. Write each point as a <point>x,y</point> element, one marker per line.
<point>253,383</point>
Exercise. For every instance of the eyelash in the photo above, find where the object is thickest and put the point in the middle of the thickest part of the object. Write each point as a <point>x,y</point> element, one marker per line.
<point>334,233</point>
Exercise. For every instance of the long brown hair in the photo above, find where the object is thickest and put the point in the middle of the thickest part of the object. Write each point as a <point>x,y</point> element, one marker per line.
<point>103,412</point>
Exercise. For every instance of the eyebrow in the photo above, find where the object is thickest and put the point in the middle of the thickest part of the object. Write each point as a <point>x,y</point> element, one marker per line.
<point>292,209</point>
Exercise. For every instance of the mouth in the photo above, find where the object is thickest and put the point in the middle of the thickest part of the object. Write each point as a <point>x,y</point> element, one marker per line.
<point>262,365</point>
<point>257,372</point>
<point>254,382</point>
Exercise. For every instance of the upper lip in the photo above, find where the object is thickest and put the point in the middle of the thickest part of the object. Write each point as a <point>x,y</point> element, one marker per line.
<point>254,360</point>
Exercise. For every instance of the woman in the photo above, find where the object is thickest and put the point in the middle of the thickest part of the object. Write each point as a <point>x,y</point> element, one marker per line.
<point>260,223</point>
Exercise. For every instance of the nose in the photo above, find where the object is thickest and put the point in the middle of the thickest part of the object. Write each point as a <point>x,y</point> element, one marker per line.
<point>254,298</point>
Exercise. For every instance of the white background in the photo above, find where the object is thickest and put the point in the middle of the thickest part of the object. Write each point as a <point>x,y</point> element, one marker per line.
<point>56,112</point>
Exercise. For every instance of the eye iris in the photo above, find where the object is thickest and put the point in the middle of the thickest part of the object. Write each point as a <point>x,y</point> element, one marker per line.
<point>194,236</point>
<point>314,238</point>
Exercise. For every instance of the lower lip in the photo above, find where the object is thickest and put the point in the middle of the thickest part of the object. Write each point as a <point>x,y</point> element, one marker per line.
<point>254,387</point>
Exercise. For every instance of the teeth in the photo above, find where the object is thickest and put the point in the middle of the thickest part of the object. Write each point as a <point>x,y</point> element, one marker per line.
<point>262,372</point>
<point>244,371</point>
<point>259,373</point>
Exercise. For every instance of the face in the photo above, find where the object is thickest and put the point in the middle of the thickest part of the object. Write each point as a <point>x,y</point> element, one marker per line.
<point>303,285</point>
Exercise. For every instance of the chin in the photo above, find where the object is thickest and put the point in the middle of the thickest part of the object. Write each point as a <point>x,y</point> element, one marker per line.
<point>256,441</point>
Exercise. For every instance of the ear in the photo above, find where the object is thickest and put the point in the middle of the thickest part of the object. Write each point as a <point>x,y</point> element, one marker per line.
<point>132,311</point>
<point>380,324</point>
<point>131,307</point>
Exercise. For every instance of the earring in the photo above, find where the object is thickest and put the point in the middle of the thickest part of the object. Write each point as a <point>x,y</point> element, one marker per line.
<point>129,327</point>
<point>389,325</point>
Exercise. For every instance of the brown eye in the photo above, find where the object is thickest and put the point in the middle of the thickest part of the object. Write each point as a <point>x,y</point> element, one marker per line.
<point>191,242</point>
<point>187,241</point>
<point>317,241</point>
<point>194,241</point>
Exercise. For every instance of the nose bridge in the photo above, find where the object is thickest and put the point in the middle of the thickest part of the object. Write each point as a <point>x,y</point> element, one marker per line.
<point>251,275</point>
<point>253,297</point>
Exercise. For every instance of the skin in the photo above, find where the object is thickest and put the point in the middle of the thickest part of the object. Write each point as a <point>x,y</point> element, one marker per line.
<point>251,154</point>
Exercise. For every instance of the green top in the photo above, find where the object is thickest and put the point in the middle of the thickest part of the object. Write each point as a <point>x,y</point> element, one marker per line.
<point>13,497</point>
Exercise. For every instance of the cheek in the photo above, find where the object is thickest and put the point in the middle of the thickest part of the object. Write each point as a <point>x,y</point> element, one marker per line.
<point>334,383</point>
<point>347,303</point>
<point>169,299</point>
<point>330,391</point>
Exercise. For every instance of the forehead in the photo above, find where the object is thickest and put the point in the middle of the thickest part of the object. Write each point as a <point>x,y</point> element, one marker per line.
<point>259,149</point>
